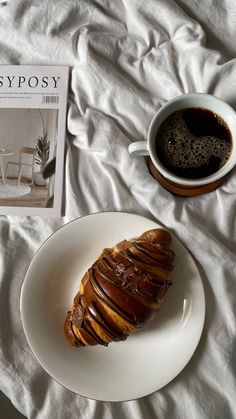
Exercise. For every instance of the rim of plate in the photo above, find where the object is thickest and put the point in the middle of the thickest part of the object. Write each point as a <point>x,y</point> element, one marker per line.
<point>64,226</point>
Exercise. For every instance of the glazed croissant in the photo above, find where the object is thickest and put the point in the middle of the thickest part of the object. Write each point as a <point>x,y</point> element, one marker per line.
<point>121,291</point>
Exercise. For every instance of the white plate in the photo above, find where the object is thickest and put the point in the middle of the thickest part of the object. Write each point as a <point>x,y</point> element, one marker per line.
<point>148,359</point>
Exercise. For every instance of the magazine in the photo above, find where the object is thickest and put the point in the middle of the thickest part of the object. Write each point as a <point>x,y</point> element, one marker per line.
<point>33,102</point>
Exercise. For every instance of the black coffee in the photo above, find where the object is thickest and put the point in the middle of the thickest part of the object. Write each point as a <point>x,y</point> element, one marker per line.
<point>193,143</point>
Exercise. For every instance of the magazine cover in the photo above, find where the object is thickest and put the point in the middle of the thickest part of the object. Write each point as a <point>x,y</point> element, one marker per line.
<point>33,101</point>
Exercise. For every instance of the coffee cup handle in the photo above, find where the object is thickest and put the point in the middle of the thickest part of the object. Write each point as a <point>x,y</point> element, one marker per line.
<point>138,148</point>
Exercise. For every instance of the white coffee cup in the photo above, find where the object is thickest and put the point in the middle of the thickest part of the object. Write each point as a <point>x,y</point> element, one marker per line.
<point>189,100</point>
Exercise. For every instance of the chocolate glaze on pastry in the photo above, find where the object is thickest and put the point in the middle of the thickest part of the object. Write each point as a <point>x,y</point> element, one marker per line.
<point>121,291</point>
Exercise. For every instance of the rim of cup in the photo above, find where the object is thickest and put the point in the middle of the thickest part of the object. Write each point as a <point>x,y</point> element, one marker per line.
<point>193,100</point>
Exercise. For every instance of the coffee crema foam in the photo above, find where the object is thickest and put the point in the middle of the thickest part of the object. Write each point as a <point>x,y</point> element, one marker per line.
<point>183,151</point>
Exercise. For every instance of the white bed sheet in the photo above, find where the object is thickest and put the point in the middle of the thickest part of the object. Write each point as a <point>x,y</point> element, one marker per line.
<point>127,58</point>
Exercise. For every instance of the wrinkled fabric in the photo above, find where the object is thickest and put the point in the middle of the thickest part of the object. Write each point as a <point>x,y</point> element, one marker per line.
<point>127,58</point>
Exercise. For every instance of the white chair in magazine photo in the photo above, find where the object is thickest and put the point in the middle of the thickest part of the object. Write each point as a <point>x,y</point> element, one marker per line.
<point>26,159</point>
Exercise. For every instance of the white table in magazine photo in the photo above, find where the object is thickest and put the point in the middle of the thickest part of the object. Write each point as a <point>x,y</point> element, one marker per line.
<point>4,153</point>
